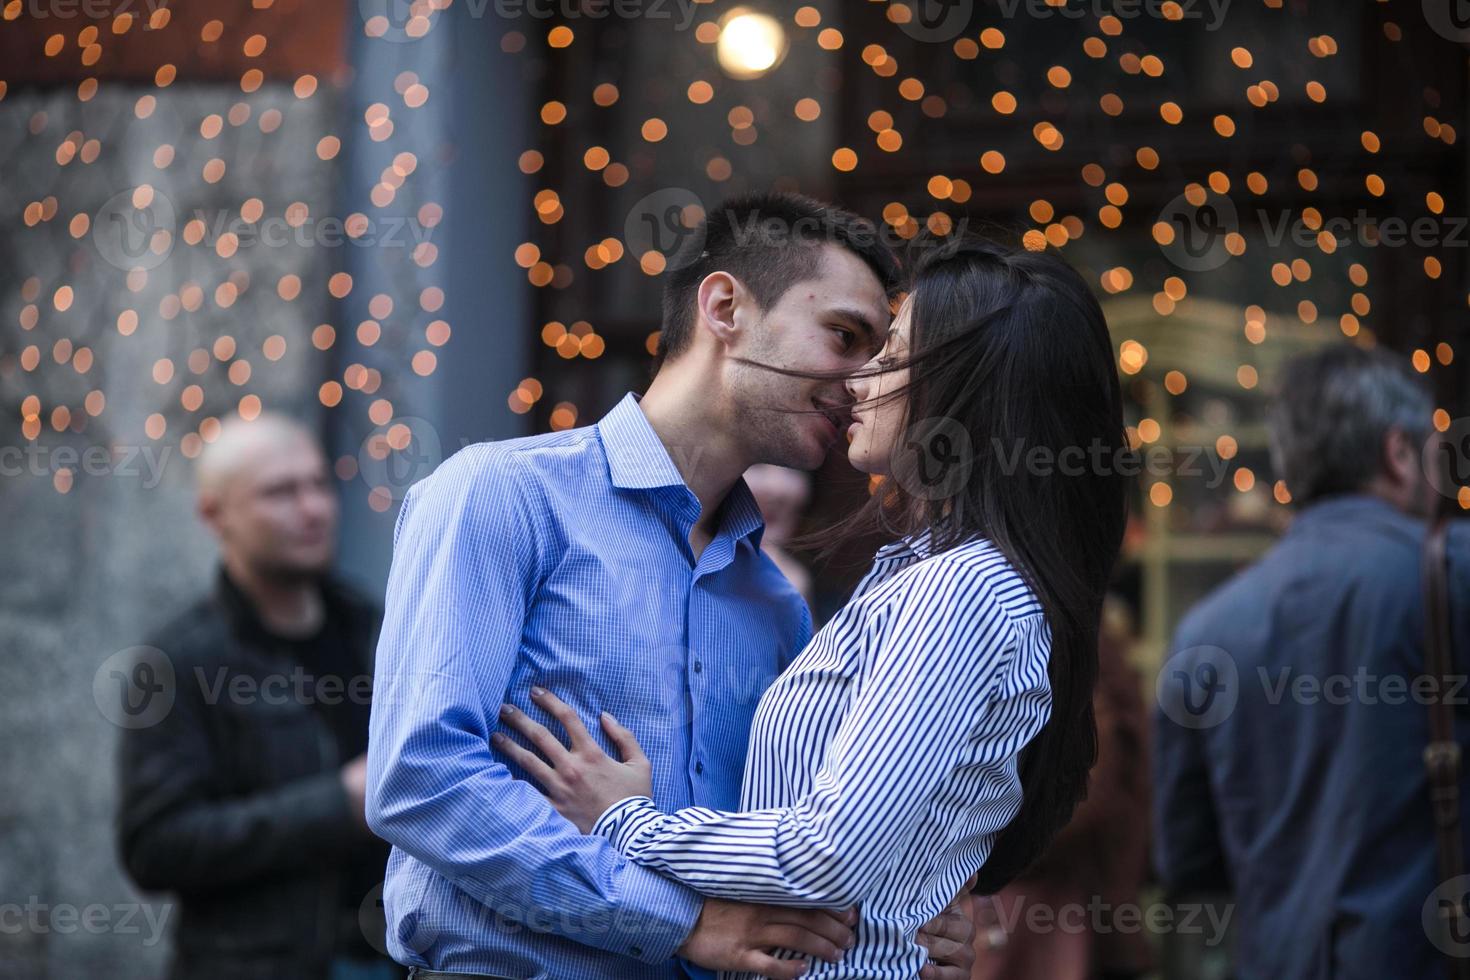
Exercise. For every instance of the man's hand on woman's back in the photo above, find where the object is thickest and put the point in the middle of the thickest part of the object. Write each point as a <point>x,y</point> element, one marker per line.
<point>739,937</point>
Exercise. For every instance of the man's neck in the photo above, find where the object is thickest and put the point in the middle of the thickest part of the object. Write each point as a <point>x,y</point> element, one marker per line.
<point>288,606</point>
<point>1404,497</point>
<point>698,440</point>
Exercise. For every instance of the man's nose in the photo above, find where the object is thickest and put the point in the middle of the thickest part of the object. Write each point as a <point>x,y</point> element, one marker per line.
<point>317,504</point>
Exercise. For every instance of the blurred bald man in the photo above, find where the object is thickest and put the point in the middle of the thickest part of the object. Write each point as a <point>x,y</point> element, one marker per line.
<point>246,797</point>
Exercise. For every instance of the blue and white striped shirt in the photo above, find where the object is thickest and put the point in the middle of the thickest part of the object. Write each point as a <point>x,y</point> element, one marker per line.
<point>882,763</point>
<point>560,560</point>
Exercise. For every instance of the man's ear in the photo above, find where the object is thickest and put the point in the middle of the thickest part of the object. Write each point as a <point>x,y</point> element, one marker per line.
<point>1400,458</point>
<point>719,294</point>
<point>207,506</point>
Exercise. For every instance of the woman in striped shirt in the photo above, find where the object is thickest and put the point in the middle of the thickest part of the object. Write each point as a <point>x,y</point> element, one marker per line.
<point>941,724</point>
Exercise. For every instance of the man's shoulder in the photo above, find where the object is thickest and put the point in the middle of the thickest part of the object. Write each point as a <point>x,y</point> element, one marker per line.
<point>1378,553</point>
<point>196,634</point>
<point>508,463</point>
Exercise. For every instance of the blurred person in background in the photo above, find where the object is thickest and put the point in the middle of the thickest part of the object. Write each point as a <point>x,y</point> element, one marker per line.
<point>246,798</point>
<point>1089,879</point>
<point>1289,744</point>
<point>782,494</point>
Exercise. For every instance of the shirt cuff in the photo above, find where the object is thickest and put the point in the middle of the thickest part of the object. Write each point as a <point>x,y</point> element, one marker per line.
<point>621,822</point>
<point>654,917</point>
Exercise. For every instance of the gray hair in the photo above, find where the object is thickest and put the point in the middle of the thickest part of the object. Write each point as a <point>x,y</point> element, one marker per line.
<point>1330,415</point>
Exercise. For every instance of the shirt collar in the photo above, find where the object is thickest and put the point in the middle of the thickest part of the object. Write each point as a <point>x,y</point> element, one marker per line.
<point>636,458</point>
<point>917,545</point>
<point>742,517</point>
<point>240,612</point>
<point>1350,508</point>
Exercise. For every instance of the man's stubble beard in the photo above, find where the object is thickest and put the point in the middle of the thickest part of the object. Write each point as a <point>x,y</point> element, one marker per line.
<point>771,431</point>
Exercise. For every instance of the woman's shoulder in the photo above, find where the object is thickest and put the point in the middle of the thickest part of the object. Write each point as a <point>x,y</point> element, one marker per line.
<point>974,570</point>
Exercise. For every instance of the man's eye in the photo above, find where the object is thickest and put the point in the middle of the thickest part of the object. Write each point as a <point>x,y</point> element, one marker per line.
<point>846,336</point>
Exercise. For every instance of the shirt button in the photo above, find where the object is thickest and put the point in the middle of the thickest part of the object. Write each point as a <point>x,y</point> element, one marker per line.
<point>698,666</point>
<point>699,767</point>
<point>636,950</point>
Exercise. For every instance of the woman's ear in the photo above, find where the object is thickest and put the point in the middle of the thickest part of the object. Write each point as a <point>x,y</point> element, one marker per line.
<point>719,294</point>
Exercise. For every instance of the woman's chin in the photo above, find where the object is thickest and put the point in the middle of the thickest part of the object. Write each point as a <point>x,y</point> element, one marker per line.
<point>865,461</point>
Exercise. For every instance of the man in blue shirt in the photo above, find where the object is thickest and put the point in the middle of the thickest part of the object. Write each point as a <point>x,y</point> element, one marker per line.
<point>619,565</point>
<point>1293,714</point>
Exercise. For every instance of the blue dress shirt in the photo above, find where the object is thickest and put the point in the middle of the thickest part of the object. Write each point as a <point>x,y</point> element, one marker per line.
<point>564,561</point>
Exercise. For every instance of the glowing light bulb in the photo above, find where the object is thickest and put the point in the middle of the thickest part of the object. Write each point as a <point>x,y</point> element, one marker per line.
<point>750,43</point>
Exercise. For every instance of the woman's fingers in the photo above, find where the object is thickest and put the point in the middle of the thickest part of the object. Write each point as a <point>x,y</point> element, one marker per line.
<point>627,746</point>
<point>526,759</point>
<point>562,712</point>
<point>536,733</point>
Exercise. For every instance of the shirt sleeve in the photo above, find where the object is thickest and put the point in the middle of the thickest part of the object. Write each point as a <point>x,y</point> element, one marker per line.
<point>466,564</point>
<point>941,685</point>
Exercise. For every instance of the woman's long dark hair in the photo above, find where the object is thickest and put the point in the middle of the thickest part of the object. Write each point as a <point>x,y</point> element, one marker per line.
<point>1012,347</point>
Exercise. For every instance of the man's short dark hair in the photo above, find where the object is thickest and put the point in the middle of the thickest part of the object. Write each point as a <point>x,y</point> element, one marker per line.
<point>1333,409</point>
<point>769,242</point>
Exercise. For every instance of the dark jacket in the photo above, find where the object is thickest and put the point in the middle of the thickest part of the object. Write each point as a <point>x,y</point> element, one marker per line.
<point>234,801</point>
<point>1298,784</point>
